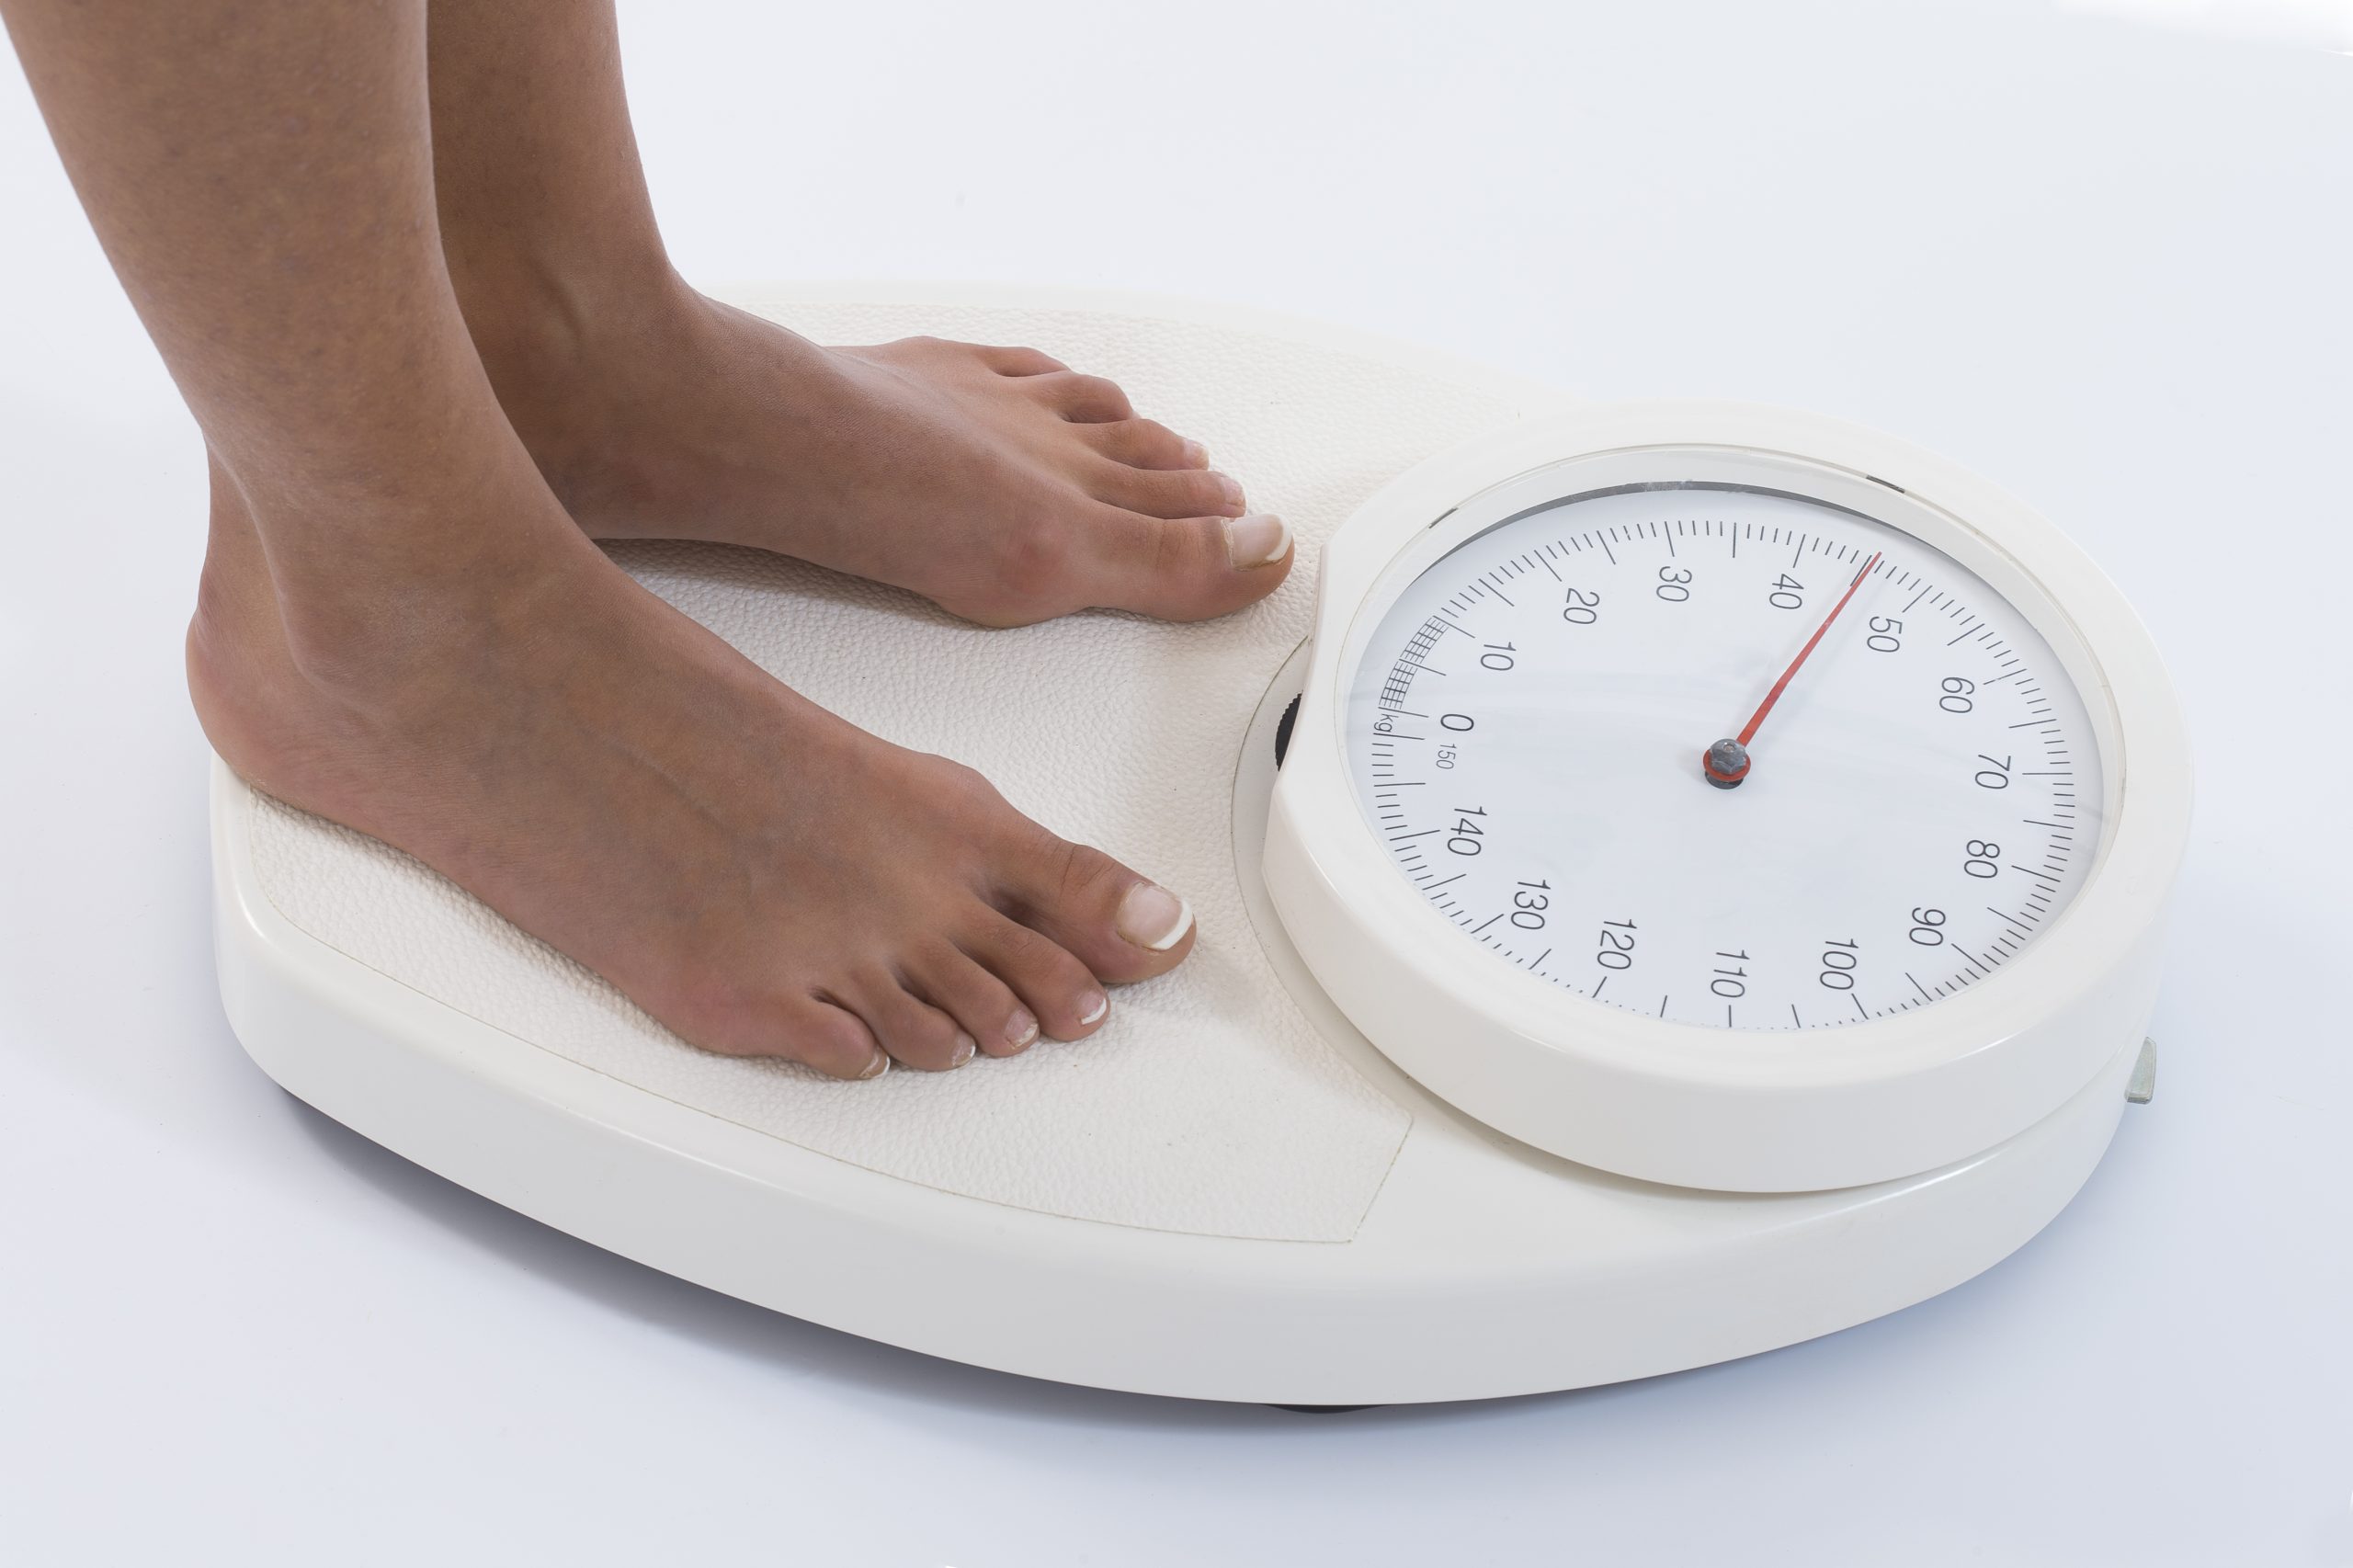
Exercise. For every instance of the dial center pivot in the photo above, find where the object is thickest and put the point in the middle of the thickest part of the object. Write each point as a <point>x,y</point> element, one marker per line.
<point>1725,764</point>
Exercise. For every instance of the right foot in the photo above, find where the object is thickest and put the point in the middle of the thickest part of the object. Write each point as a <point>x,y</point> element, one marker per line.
<point>763,878</point>
<point>994,482</point>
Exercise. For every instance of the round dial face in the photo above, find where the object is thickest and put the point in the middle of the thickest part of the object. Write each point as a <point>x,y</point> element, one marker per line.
<point>1726,757</point>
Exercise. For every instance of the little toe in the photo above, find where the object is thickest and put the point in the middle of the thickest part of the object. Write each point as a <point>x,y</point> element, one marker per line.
<point>1059,990</point>
<point>912,1030</point>
<point>1184,568</point>
<point>1167,493</point>
<point>816,1033</point>
<point>1087,400</point>
<point>1145,443</point>
<point>983,1004</point>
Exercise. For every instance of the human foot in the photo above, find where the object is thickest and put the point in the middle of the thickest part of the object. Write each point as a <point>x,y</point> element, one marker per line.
<point>994,482</point>
<point>762,877</point>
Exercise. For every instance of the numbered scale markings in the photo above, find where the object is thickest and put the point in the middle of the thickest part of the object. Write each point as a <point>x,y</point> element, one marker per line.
<point>1915,803</point>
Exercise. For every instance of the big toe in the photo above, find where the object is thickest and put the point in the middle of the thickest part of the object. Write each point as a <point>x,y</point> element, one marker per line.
<point>1119,924</point>
<point>1184,568</point>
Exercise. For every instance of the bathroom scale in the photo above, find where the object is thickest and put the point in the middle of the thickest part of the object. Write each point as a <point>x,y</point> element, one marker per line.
<point>1673,880</point>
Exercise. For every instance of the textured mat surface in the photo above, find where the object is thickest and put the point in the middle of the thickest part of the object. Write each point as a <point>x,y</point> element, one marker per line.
<point>1208,1104</point>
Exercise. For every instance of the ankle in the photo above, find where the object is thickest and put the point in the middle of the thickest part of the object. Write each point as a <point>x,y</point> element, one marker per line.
<point>379,605</point>
<point>540,323</point>
<point>562,347</point>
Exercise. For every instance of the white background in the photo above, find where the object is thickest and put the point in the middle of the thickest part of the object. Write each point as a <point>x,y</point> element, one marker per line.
<point>2109,266</point>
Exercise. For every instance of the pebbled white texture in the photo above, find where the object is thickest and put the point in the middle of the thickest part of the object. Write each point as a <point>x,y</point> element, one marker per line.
<point>1208,1104</point>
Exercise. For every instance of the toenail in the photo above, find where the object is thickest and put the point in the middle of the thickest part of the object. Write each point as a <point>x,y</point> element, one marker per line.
<point>1153,918</point>
<point>1095,1009</point>
<point>1256,539</point>
<point>876,1068</point>
<point>1195,455</point>
<point>1229,487</point>
<point>1020,1030</point>
<point>965,1046</point>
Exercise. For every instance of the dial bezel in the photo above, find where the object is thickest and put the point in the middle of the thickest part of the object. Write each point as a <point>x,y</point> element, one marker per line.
<point>1564,482</point>
<point>1507,1045</point>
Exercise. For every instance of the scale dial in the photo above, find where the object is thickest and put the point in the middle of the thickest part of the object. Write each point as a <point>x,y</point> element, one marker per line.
<point>1728,797</point>
<point>1526,732</point>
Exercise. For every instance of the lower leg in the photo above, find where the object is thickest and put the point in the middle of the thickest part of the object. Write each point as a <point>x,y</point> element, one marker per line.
<point>400,628</point>
<point>994,481</point>
<point>164,114</point>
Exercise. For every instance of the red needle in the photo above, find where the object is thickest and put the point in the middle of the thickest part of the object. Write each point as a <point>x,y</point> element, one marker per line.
<point>1725,764</point>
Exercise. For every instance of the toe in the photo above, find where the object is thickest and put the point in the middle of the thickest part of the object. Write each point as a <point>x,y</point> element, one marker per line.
<point>1120,924</point>
<point>1167,493</point>
<point>1183,568</point>
<point>818,1034</point>
<point>982,1004</point>
<point>912,1030</point>
<point>1017,361</point>
<point>1085,399</point>
<point>1145,443</point>
<point>1059,990</point>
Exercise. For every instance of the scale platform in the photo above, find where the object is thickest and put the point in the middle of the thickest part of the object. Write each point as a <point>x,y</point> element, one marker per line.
<point>1227,1193</point>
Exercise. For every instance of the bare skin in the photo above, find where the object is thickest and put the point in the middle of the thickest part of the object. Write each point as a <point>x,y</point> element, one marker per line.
<point>401,627</point>
<point>995,481</point>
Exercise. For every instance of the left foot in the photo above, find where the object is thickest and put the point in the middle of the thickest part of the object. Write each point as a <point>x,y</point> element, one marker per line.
<point>997,483</point>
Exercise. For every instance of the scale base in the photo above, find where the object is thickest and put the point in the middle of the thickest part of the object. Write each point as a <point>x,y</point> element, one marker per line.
<point>1332,1239</point>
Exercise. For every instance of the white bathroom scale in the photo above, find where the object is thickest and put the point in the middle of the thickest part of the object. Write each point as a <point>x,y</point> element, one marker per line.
<point>1673,880</point>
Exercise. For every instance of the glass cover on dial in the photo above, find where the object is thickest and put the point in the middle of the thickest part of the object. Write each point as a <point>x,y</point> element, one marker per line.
<point>1529,732</point>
